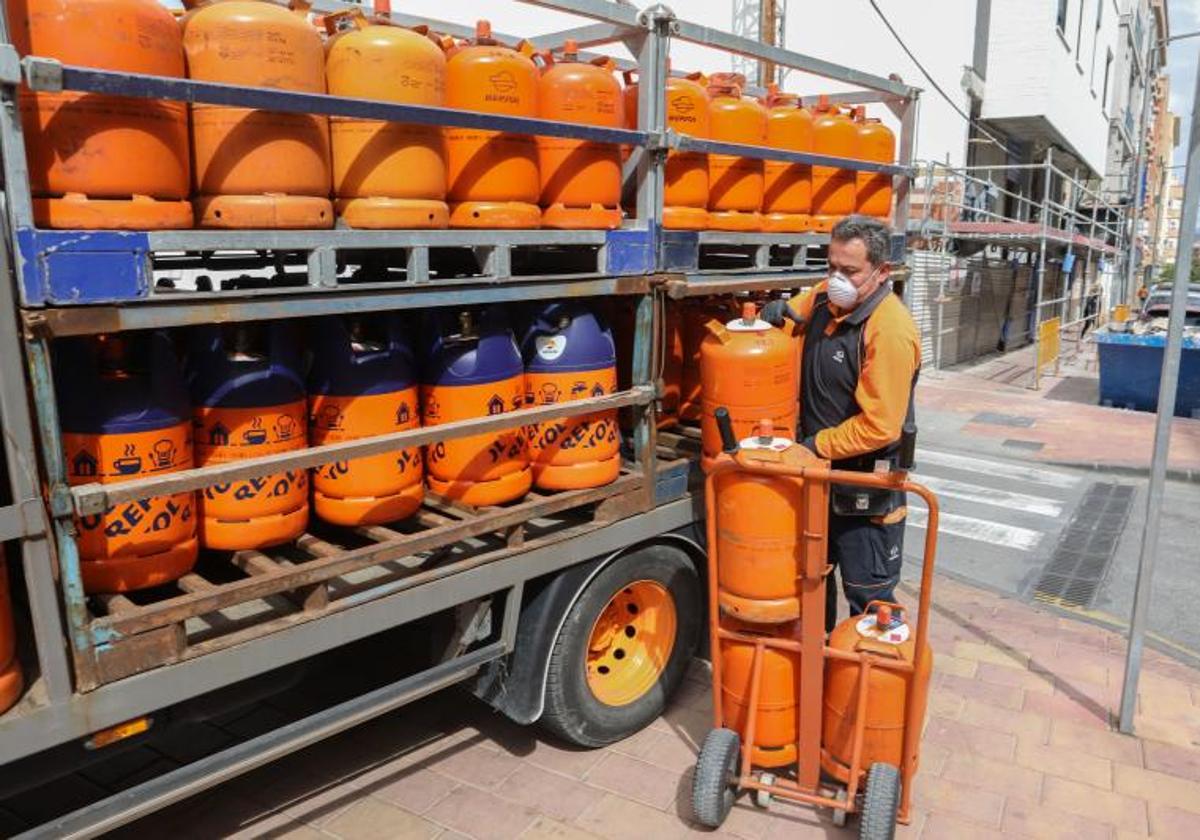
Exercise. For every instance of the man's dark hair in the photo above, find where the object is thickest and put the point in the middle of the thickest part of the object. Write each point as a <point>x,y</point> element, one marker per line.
<point>876,235</point>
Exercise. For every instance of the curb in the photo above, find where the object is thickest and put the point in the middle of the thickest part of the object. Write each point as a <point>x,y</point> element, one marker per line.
<point>1191,476</point>
<point>1111,623</point>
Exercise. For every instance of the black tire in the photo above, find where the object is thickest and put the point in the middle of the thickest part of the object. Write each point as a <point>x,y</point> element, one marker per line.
<point>571,710</point>
<point>714,784</point>
<point>880,802</point>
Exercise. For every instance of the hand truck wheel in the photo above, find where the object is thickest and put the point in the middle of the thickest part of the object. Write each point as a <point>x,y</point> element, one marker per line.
<point>715,783</point>
<point>762,798</point>
<point>839,816</point>
<point>880,802</point>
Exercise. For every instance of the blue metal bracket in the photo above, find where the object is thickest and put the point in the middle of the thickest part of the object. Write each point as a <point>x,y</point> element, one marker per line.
<point>83,266</point>
<point>630,252</point>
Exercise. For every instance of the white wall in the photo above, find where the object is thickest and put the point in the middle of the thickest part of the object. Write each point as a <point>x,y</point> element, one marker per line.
<point>1033,70</point>
<point>939,32</point>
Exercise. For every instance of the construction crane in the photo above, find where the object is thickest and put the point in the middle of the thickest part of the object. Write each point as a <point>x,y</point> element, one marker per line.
<point>762,20</point>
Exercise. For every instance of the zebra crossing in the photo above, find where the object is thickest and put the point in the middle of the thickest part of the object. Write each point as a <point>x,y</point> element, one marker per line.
<point>996,518</point>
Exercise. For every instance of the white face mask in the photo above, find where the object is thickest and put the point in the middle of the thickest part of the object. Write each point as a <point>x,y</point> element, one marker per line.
<point>842,293</point>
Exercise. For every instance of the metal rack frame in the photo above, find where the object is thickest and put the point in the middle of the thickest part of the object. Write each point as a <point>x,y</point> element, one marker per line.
<point>69,700</point>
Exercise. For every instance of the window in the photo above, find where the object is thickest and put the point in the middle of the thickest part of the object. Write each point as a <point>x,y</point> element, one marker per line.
<point>1108,60</point>
<point>1060,19</point>
<point>1096,43</point>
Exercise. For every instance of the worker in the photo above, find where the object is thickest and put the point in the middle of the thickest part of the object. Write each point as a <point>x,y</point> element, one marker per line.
<point>1091,306</point>
<point>860,357</point>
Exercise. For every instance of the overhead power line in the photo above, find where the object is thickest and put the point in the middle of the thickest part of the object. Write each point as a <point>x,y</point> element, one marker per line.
<point>933,82</point>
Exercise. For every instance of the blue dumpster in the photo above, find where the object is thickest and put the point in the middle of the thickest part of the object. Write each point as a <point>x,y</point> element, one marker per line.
<point>1131,366</point>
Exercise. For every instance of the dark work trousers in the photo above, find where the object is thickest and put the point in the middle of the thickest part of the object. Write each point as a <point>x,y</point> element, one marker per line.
<point>867,556</point>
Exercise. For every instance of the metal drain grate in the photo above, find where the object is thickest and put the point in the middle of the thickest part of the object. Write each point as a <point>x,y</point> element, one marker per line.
<point>1086,546</point>
<point>995,418</point>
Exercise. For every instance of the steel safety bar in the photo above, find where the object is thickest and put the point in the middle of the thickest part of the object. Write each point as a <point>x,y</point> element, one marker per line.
<point>687,143</point>
<point>619,13</point>
<point>95,498</point>
<point>709,37</point>
<point>50,75</point>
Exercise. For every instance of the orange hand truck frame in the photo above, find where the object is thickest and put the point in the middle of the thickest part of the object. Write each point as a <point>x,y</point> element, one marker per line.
<point>808,786</point>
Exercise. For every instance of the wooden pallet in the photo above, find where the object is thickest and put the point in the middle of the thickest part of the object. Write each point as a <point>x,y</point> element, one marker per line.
<point>233,598</point>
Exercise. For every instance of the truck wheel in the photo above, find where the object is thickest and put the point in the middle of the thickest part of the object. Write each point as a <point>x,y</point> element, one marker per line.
<point>624,647</point>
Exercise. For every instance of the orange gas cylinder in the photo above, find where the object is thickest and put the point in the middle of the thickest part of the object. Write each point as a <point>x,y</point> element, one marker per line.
<point>248,400</point>
<point>569,355</point>
<point>877,143</point>
<point>493,176</point>
<point>735,184</point>
<point>787,190</point>
<point>99,161</point>
<point>834,133</point>
<point>473,369</point>
<point>258,169</point>
<point>581,180</point>
<point>886,634</point>
<point>767,525</point>
<point>125,415</point>
<point>629,108</point>
<point>751,368</point>
<point>363,383</point>
<point>12,681</point>
<point>386,174</point>
<point>778,693</point>
<point>685,180</point>
<point>695,316</point>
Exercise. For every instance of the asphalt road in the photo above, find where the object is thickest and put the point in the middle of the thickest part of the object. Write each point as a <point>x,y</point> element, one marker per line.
<point>1007,520</point>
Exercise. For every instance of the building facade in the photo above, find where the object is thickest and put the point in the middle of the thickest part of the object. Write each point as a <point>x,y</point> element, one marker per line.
<point>1172,212</point>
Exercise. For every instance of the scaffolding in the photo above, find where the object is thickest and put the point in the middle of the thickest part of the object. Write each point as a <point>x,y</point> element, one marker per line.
<point>1022,254</point>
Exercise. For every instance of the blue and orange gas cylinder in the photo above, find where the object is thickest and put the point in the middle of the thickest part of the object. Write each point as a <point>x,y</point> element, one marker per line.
<point>363,383</point>
<point>248,401</point>
<point>124,415</point>
<point>569,355</point>
<point>472,368</point>
<point>12,680</point>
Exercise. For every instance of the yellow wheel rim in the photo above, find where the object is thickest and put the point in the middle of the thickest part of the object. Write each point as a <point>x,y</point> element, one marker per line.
<point>631,643</point>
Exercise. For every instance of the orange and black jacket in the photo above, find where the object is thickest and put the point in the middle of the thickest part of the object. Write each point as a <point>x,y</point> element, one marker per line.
<point>857,373</point>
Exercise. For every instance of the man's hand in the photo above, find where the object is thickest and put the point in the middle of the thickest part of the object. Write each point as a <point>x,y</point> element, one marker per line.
<point>776,311</point>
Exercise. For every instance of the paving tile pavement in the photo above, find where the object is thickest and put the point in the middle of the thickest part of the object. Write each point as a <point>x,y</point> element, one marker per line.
<point>1018,743</point>
<point>1087,435</point>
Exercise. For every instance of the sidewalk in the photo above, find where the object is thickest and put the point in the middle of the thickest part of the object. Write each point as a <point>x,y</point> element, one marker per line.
<point>1017,744</point>
<point>1034,425</point>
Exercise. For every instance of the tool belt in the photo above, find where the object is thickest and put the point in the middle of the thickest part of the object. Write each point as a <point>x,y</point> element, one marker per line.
<point>848,500</point>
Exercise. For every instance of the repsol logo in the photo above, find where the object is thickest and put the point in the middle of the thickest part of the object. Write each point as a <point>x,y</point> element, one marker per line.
<point>138,517</point>
<point>502,97</point>
<point>271,486</point>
